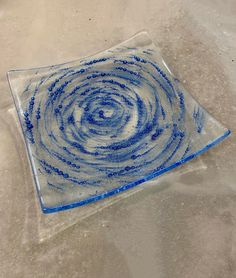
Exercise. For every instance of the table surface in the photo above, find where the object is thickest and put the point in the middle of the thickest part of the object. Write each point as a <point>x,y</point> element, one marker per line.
<point>178,226</point>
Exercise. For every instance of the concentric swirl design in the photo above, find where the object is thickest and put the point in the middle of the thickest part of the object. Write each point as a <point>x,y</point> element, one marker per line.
<point>104,124</point>
<point>110,118</point>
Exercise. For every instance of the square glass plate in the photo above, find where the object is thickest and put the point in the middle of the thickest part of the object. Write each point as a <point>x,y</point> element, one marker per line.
<point>106,123</point>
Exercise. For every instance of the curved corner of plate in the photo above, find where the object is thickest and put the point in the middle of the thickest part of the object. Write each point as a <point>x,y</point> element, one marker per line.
<point>139,39</point>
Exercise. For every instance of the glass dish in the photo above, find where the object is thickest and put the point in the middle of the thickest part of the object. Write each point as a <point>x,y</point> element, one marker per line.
<point>103,124</point>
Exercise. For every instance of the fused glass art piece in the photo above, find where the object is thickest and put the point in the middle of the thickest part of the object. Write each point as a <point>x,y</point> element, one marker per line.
<point>106,123</point>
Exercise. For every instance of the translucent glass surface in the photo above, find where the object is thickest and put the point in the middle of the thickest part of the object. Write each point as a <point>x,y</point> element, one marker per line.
<point>106,123</point>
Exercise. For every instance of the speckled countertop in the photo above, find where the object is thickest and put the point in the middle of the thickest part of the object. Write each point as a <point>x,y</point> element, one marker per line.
<point>183,224</point>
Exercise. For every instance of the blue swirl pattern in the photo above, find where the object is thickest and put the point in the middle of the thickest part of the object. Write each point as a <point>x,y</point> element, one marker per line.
<point>104,124</point>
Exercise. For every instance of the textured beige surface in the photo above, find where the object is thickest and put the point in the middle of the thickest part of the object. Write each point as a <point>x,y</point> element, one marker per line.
<point>183,225</point>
